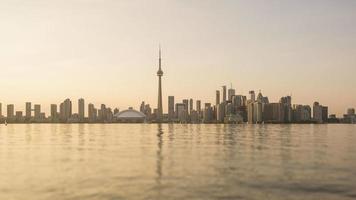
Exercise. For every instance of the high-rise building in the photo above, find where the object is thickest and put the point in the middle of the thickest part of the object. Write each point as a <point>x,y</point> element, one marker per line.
<point>317,112</point>
<point>159,103</point>
<point>28,110</point>
<point>198,106</point>
<point>66,110</point>
<point>190,106</point>
<point>54,111</point>
<point>181,112</point>
<point>102,112</point>
<point>287,104</point>
<point>170,107</point>
<point>273,113</point>
<point>10,111</point>
<point>81,109</point>
<point>142,107</point>
<point>301,113</point>
<point>91,112</point>
<point>217,97</point>
<point>231,93</point>
<point>0,110</point>
<point>19,116</point>
<point>186,105</point>
<point>224,93</point>
<point>208,113</point>
<point>220,112</point>
<point>37,110</point>
<point>252,96</point>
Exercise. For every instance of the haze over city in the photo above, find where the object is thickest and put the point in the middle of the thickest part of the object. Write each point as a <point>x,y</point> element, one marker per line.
<point>106,51</point>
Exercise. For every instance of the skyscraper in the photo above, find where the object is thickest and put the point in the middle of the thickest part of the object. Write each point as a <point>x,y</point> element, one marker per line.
<point>170,107</point>
<point>190,106</point>
<point>231,93</point>
<point>54,111</point>
<point>198,106</point>
<point>81,109</point>
<point>10,111</point>
<point>0,110</point>
<point>217,97</point>
<point>159,103</point>
<point>37,111</point>
<point>91,112</point>
<point>224,93</point>
<point>28,110</point>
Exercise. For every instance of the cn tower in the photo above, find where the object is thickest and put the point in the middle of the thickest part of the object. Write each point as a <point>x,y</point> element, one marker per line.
<point>159,74</point>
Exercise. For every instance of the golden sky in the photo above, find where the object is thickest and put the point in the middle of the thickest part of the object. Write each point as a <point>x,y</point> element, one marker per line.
<point>107,51</point>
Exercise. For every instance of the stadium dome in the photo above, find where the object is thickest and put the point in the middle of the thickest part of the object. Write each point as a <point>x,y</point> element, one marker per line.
<point>130,115</point>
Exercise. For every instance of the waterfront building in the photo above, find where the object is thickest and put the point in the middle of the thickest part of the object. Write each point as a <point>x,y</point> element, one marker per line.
<point>81,109</point>
<point>10,111</point>
<point>92,112</point>
<point>54,113</point>
<point>252,96</point>
<point>217,97</point>
<point>170,107</point>
<point>287,106</point>
<point>273,113</point>
<point>181,112</point>
<point>0,110</point>
<point>208,113</point>
<point>190,106</point>
<point>301,113</point>
<point>28,110</point>
<point>130,116</point>
<point>198,106</point>
<point>231,93</point>
<point>37,111</point>
<point>320,113</point>
<point>224,93</point>
<point>220,112</point>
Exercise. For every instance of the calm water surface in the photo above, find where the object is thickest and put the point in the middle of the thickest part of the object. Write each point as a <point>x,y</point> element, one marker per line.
<point>151,161</point>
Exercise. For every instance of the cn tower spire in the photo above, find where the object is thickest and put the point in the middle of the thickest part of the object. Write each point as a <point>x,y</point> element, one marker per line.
<point>159,74</point>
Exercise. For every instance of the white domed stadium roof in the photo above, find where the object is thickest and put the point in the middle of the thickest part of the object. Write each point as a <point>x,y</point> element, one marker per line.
<point>130,114</point>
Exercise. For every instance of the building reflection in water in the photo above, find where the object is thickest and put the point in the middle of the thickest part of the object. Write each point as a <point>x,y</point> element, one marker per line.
<point>159,154</point>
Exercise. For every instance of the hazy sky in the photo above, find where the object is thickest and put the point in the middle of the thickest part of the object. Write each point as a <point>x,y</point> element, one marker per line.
<point>106,51</point>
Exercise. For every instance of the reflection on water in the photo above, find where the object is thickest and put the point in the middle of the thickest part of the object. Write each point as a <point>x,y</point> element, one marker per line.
<point>177,161</point>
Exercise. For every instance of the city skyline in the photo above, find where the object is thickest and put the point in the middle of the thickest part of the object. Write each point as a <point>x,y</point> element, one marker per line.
<point>105,52</point>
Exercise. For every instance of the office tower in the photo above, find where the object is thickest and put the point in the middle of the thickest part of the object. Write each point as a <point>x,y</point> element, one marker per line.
<point>186,104</point>
<point>54,111</point>
<point>324,113</point>
<point>237,101</point>
<point>287,104</point>
<point>159,74</point>
<point>81,109</point>
<point>170,107</point>
<point>224,93</point>
<point>190,106</point>
<point>199,106</point>
<point>250,112</point>
<point>257,112</point>
<point>273,113</point>
<point>18,116</point>
<point>0,110</point>
<point>208,113</point>
<point>102,112</point>
<point>37,110</point>
<point>181,112</point>
<point>317,112</point>
<point>66,109</point>
<point>231,93</point>
<point>220,112</point>
<point>217,97</point>
<point>252,95</point>
<point>91,112</point>
<point>10,111</point>
<point>301,113</point>
<point>28,110</point>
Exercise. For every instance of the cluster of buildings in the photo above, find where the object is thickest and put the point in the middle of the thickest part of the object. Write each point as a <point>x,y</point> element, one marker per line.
<point>229,107</point>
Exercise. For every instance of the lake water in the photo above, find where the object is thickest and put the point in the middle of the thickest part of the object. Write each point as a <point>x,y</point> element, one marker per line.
<point>174,161</point>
